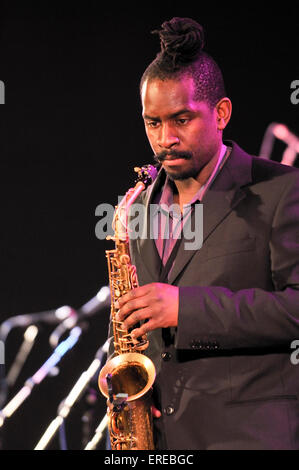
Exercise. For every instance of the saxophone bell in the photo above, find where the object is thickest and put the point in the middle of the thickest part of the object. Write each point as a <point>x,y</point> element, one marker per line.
<point>131,373</point>
<point>126,380</point>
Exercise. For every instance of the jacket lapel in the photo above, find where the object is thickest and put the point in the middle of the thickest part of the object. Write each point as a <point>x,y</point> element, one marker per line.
<point>222,197</point>
<point>146,246</point>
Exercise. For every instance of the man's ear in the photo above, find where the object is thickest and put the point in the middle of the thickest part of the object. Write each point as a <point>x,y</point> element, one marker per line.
<point>224,111</point>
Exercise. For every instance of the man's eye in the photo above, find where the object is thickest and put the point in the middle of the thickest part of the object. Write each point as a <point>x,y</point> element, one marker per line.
<point>152,124</point>
<point>183,121</point>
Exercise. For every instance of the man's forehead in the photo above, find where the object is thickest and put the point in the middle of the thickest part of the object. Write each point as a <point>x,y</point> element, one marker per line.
<point>182,88</point>
<point>169,97</point>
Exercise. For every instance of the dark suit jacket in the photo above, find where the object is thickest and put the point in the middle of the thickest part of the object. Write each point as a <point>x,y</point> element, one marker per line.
<point>224,375</point>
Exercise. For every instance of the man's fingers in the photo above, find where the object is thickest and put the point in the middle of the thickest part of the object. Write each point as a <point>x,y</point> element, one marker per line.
<point>143,329</point>
<point>136,317</point>
<point>131,306</point>
<point>133,294</point>
<point>155,412</point>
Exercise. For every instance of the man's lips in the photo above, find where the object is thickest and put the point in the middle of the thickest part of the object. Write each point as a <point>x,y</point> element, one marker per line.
<point>174,161</point>
<point>172,157</point>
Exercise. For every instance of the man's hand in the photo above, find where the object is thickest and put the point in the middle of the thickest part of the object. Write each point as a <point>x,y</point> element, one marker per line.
<point>155,412</point>
<point>157,303</point>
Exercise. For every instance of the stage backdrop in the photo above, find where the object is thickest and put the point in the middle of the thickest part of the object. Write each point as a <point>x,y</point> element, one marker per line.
<point>70,135</point>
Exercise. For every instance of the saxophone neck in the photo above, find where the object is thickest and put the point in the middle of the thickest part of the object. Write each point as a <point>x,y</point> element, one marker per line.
<point>120,220</point>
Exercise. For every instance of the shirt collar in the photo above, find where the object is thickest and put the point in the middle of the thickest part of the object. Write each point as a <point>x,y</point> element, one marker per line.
<point>166,198</point>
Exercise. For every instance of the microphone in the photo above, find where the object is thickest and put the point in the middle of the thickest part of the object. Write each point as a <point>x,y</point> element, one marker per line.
<point>49,316</point>
<point>281,132</point>
<point>99,302</point>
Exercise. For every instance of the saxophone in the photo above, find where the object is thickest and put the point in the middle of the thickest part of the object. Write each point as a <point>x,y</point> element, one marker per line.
<point>127,378</point>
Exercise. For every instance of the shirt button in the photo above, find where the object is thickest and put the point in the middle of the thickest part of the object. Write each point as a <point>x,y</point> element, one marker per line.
<point>166,356</point>
<point>169,410</point>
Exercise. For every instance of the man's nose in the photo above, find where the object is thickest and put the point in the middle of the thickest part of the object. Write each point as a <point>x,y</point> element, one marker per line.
<point>167,136</point>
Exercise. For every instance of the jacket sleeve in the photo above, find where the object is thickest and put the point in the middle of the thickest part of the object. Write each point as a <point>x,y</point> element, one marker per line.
<point>215,317</point>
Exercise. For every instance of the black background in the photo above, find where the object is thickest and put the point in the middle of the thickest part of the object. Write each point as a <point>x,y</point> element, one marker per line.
<point>71,133</point>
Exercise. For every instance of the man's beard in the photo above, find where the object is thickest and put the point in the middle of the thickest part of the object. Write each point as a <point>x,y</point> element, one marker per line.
<point>172,155</point>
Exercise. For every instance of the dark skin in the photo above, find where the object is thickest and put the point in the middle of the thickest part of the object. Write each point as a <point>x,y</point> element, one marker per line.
<point>174,120</point>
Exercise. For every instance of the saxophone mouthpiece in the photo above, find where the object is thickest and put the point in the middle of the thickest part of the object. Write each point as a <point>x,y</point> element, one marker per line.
<point>146,174</point>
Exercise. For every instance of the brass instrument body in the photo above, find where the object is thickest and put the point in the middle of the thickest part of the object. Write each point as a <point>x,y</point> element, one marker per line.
<point>131,373</point>
<point>130,426</point>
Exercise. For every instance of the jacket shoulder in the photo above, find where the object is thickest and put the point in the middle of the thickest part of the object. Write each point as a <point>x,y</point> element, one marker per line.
<point>263,169</point>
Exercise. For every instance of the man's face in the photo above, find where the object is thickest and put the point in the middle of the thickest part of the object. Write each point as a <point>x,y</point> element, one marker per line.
<point>182,132</point>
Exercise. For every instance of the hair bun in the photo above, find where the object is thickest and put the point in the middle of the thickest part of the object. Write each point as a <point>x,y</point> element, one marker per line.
<point>182,39</point>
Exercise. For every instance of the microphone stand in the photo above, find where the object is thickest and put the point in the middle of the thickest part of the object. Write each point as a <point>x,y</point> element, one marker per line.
<point>98,434</point>
<point>25,349</point>
<point>42,372</point>
<point>66,317</point>
<point>27,321</point>
<point>66,405</point>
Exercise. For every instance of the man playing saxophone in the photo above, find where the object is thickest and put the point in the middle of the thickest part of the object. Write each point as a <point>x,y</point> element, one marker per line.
<point>219,319</point>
